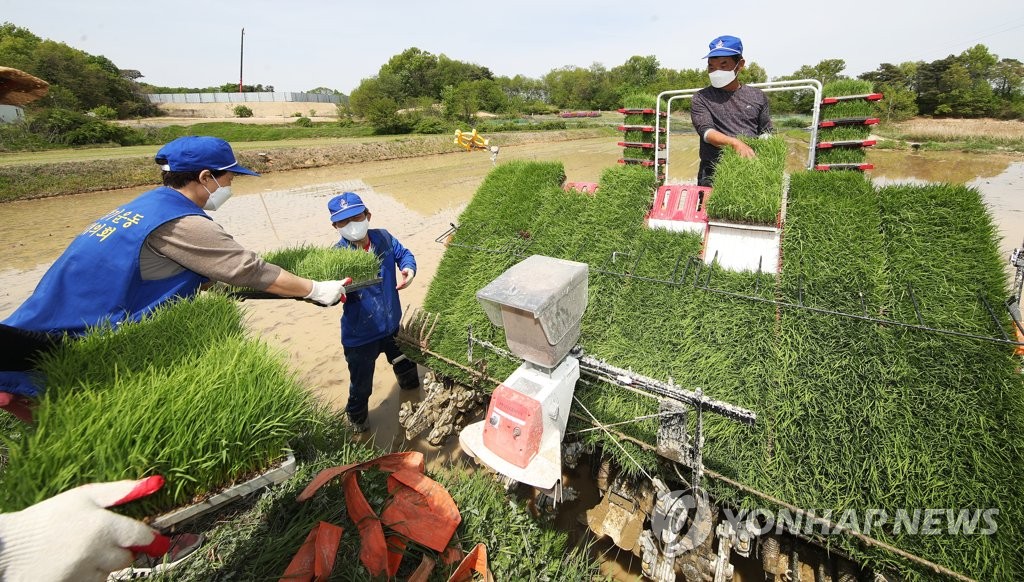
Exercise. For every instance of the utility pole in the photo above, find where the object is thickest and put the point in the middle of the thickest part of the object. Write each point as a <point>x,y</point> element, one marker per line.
<point>241,57</point>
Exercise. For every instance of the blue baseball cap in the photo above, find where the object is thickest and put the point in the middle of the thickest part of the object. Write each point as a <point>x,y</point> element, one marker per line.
<point>725,46</point>
<point>195,153</point>
<point>345,205</point>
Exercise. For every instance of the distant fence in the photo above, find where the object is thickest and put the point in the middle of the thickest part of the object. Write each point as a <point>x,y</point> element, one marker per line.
<point>254,97</point>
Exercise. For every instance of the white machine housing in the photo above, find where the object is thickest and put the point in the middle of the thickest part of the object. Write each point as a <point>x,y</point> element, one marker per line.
<point>540,302</point>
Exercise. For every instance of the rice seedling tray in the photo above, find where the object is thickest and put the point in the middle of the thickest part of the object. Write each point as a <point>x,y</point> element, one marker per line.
<point>848,121</point>
<point>827,167</point>
<point>272,476</point>
<point>643,128</point>
<point>866,97</point>
<point>641,111</point>
<point>242,295</point>
<point>851,143</point>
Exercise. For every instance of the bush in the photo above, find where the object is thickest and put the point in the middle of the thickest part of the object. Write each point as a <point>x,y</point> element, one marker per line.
<point>242,111</point>
<point>304,122</point>
<point>104,112</point>
<point>430,125</point>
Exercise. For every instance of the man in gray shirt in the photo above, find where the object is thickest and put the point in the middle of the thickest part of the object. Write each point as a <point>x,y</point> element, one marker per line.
<point>726,109</point>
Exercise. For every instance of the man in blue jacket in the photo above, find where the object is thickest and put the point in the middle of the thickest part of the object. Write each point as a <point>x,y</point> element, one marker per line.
<point>371,316</point>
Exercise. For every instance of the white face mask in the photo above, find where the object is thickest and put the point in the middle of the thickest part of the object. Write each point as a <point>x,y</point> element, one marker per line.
<point>218,197</point>
<point>720,79</point>
<point>355,231</point>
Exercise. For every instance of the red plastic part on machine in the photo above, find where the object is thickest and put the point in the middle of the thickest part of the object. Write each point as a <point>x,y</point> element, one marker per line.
<point>866,97</point>
<point>581,187</point>
<point>849,121</point>
<point>827,167</point>
<point>644,111</point>
<point>514,426</point>
<point>854,143</point>
<point>681,202</point>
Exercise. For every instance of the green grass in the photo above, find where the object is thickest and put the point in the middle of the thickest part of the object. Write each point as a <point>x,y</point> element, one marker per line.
<point>238,132</point>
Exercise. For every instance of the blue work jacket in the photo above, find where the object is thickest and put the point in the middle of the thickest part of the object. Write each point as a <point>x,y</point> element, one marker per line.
<point>375,312</point>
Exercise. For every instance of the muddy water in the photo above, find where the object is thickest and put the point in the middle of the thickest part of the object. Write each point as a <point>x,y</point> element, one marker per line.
<point>416,199</point>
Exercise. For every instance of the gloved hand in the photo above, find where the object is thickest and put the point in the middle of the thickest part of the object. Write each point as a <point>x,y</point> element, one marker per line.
<point>407,276</point>
<point>328,293</point>
<point>71,537</point>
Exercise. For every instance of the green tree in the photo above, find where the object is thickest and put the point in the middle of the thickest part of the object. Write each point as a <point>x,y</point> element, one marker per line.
<point>1008,78</point>
<point>898,103</point>
<point>459,103</point>
<point>825,71</point>
<point>572,87</point>
<point>636,74</point>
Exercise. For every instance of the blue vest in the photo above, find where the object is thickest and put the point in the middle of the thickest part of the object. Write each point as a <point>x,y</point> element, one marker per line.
<point>374,313</point>
<point>97,279</point>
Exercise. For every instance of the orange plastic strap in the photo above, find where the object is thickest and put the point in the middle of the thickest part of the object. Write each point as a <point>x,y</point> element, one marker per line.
<point>420,509</point>
<point>373,551</point>
<point>475,561</point>
<point>315,559</point>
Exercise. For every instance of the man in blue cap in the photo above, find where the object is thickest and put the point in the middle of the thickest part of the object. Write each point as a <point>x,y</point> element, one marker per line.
<point>371,316</point>
<point>156,248</point>
<point>727,108</point>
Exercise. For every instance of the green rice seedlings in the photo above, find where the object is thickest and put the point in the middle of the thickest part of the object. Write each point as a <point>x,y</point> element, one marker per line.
<point>749,189</point>
<point>206,417</point>
<point>841,155</point>
<point>844,87</point>
<point>844,133</point>
<point>326,263</point>
<point>163,339</point>
<point>851,414</point>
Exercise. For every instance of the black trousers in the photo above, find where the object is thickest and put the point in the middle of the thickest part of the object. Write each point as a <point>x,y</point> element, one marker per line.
<point>19,348</point>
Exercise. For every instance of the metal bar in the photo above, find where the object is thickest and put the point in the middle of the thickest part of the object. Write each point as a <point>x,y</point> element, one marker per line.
<point>675,269</point>
<point>711,268</point>
<point>637,261</point>
<point>917,310</point>
<point>620,377</point>
<point>992,314</point>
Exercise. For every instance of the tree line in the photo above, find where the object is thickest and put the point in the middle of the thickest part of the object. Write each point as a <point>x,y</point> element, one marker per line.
<point>416,90</point>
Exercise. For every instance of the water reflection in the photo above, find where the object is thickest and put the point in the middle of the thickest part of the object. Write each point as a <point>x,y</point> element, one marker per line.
<point>952,167</point>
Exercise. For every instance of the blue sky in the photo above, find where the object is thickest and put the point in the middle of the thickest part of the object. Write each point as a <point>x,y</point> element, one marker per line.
<point>300,45</point>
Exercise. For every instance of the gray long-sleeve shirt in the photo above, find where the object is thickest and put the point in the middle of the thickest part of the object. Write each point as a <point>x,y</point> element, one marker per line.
<point>203,246</point>
<point>740,112</point>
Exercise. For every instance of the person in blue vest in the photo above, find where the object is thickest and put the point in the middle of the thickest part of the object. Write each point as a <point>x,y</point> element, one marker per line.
<point>371,316</point>
<point>159,247</point>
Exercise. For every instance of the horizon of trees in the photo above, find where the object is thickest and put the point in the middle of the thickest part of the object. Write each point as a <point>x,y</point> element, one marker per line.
<point>416,87</point>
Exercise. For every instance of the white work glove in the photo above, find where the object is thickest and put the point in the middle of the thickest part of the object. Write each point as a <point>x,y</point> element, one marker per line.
<point>407,277</point>
<point>71,537</point>
<point>328,293</point>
